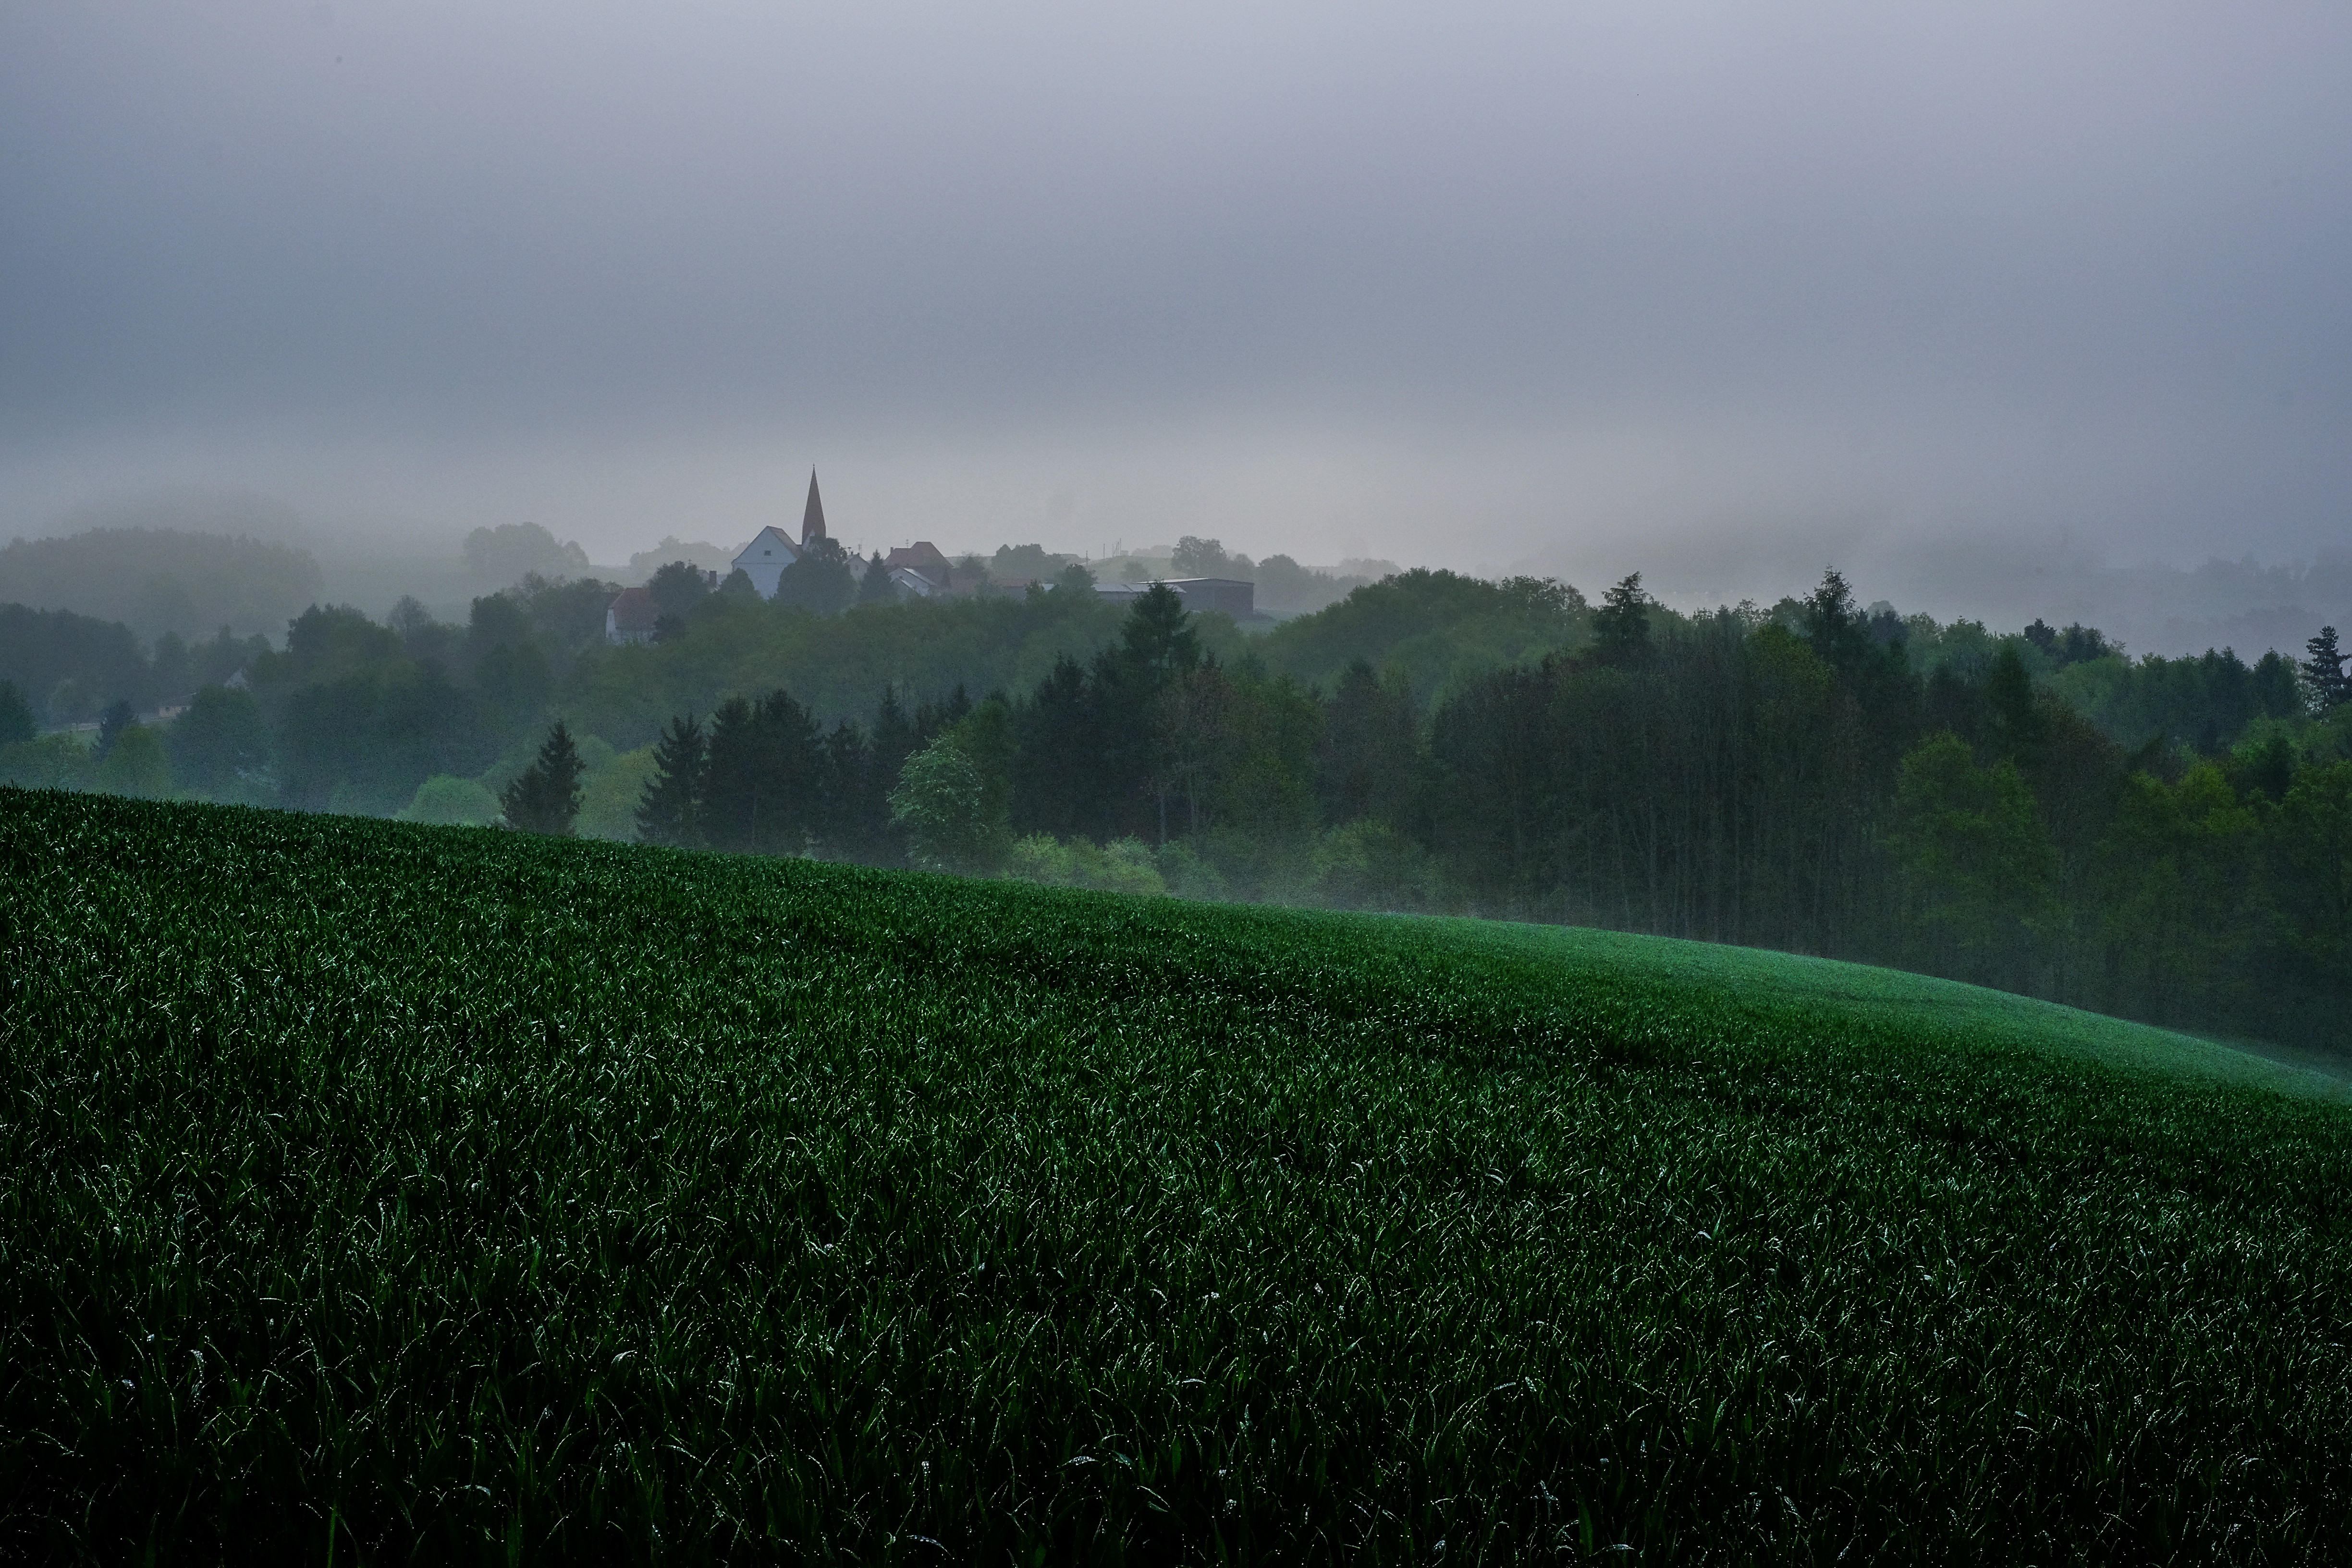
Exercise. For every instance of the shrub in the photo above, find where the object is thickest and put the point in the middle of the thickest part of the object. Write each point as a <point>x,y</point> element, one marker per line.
<point>451,802</point>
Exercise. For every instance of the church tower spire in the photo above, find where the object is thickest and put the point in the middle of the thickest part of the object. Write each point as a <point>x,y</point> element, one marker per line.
<point>812,519</point>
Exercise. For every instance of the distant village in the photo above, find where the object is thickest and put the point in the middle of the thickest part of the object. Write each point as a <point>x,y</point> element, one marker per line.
<point>917,571</point>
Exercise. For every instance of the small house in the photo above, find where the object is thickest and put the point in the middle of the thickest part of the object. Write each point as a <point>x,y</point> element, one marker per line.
<point>922,557</point>
<point>631,618</point>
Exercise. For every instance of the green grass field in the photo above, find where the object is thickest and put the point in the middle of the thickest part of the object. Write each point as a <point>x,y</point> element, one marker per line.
<point>406,1192</point>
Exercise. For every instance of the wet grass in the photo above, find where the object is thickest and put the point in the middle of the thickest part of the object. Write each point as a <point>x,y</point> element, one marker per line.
<point>441,1193</point>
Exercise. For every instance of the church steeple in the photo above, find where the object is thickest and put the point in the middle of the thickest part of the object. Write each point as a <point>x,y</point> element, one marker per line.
<point>812,519</point>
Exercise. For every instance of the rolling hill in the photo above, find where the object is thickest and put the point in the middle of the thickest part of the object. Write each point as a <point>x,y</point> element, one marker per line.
<point>386,1190</point>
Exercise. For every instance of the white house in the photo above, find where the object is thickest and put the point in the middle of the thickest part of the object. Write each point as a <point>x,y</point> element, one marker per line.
<point>764,559</point>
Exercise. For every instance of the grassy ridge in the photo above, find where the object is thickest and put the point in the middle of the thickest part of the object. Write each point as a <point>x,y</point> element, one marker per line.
<point>442,1190</point>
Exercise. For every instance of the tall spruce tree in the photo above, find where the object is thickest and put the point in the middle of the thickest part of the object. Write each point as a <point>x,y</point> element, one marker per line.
<point>545,796</point>
<point>670,811</point>
<point>2325,670</point>
<point>1366,757</point>
<point>1621,627</point>
<point>852,816</point>
<point>1060,781</point>
<point>2017,720</point>
<point>1834,626</point>
<point>766,765</point>
<point>1156,639</point>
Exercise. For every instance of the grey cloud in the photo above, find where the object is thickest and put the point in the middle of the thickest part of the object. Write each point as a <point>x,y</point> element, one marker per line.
<point>1722,281</point>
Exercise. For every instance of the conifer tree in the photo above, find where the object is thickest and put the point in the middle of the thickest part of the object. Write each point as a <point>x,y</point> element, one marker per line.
<point>2325,669</point>
<point>1157,637</point>
<point>765,766</point>
<point>1834,624</point>
<point>670,811</point>
<point>16,722</point>
<point>2017,722</point>
<point>1621,627</point>
<point>545,796</point>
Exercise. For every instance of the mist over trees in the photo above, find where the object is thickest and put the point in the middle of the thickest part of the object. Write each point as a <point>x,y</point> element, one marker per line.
<point>1818,777</point>
<point>71,667</point>
<point>514,551</point>
<point>161,581</point>
<point>2036,810</point>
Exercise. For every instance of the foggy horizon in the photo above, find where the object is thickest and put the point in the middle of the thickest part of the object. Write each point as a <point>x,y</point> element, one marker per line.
<point>1939,298</point>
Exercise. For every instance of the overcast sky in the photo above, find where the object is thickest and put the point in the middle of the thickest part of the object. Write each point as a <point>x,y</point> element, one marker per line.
<point>1719,290</point>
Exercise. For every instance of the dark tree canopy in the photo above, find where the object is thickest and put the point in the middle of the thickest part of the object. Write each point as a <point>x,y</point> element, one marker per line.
<point>1367,756</point>
<point>111,723</point>
<point>1158,639</point>
<point>513,550</point>
<point>545,796</point>
<point>764,770</point>
<point>16,721</point>
<point>1196,557</point>
<point>1620,626</point>
<point>221,741</point>
<point>670,811</point>
<point>2325,669</point>
<point>1834,626</point>
<point>676,588</point>
<point>821,580</point>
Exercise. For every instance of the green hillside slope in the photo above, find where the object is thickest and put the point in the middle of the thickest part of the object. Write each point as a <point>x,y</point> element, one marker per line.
<point>442,1193</point>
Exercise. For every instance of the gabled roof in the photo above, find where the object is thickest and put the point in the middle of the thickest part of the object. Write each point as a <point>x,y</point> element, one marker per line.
<point>769,547</point>
<point>922,556</point>
<point>632,610</point>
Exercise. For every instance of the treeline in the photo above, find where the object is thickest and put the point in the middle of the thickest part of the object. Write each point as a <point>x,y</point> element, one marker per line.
<point>2037,810</point>
<point>1806,787</point>
<point>70,668</point>
<point>410,715</point>
<point>350,714</point>
<point>1803,778</point>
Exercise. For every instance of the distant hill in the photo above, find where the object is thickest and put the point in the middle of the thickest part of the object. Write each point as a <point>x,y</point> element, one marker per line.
<point>1435,627</point>
<point>157,580</point>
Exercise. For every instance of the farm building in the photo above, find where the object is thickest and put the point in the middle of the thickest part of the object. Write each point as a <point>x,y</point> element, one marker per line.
<point>1231,595</point>
<point>923,559</point>
<point>631,616</point>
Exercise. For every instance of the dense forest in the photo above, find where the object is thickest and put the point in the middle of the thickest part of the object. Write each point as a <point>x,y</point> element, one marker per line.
<point>2168,839</point>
